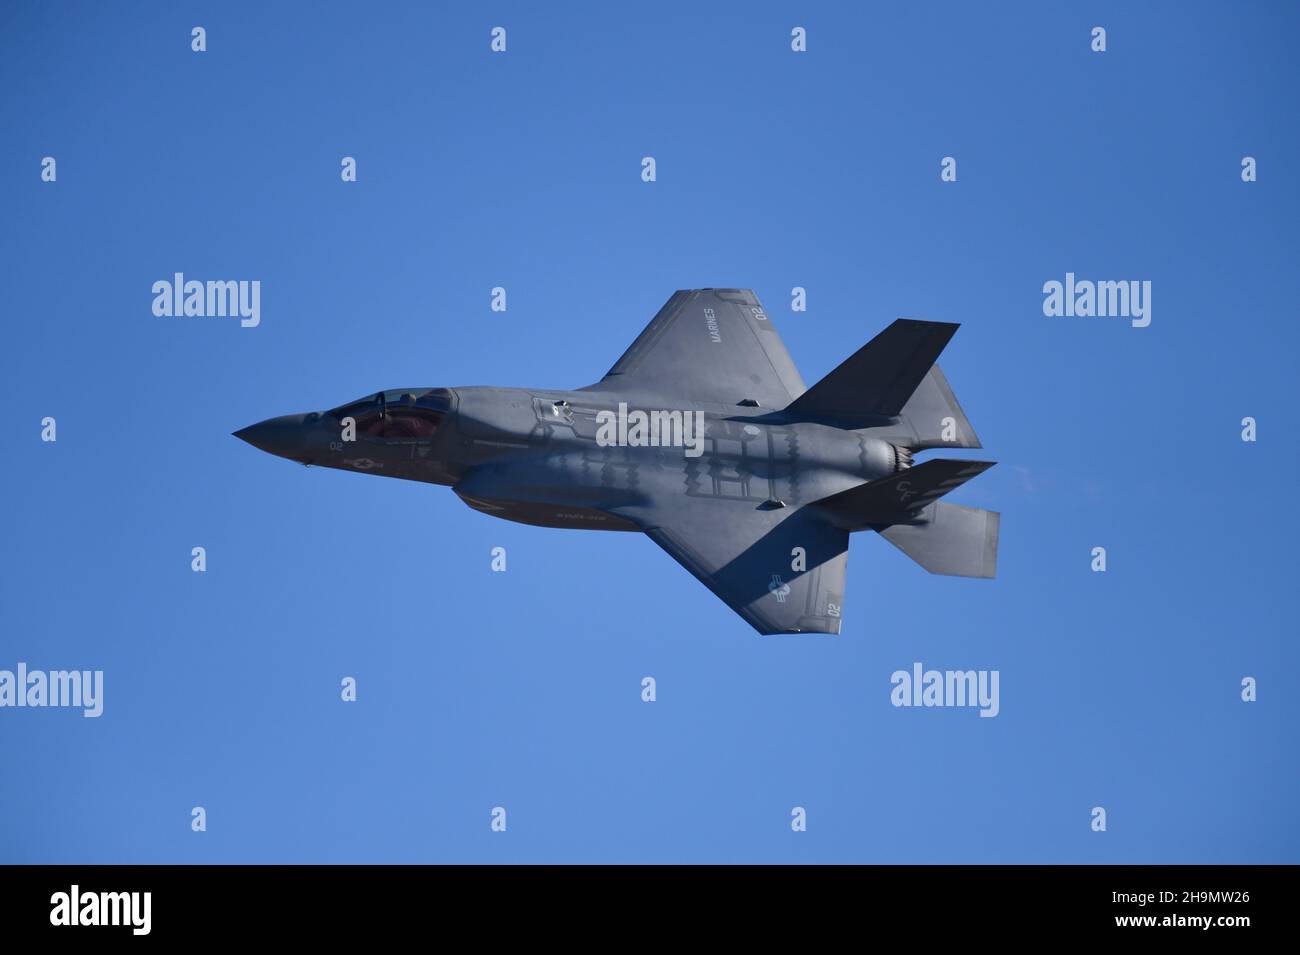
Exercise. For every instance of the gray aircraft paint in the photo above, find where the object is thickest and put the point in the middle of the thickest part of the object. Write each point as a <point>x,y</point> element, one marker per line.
<point>762,516</point>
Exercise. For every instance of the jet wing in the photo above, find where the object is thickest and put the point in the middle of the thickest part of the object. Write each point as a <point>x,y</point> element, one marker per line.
<point>780,569</point>
<point>708,345</point>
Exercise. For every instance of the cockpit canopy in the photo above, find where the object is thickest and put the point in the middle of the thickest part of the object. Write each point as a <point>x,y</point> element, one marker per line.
<point>401,413</point>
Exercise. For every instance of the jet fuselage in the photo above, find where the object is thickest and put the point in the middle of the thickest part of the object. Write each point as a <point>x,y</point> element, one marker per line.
<point>553,458</point>
<point>704,437</point>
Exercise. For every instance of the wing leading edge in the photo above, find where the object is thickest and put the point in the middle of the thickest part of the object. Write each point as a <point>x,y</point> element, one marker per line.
<point>708,345</point>
<point>782,570</point>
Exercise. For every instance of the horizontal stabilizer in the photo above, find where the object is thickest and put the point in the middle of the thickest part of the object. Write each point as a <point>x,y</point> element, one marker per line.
<point>877,380</point>
<point>897,498</point>
<point>954,540</point>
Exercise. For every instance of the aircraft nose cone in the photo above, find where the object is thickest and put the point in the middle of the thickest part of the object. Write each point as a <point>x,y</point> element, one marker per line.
<point>282,436</point>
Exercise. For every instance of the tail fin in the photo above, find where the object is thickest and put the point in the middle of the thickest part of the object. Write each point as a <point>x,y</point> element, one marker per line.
<point>934,419</point>
<point>954,540</point>
<point>897,499</point>
<point>877,380</point>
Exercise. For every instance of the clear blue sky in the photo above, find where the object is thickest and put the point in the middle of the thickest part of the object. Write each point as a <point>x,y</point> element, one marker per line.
<point>522,170</point>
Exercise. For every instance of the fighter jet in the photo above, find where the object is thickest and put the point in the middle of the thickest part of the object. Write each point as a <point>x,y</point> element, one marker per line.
<point>704,438</point>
